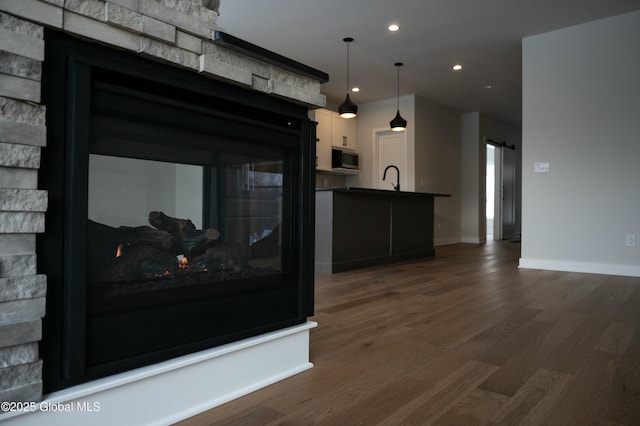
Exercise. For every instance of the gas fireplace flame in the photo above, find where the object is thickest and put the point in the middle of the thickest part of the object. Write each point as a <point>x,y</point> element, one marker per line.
<point>119,250</point>
<point>183,262</point>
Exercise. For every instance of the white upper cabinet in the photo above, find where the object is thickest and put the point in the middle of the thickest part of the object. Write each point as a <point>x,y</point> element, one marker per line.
<point>331,131</point>
<point>343,131</point>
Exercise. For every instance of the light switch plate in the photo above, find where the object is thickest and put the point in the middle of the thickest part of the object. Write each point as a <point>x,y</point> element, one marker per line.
<point>631,240</point>
<point>541,167</point>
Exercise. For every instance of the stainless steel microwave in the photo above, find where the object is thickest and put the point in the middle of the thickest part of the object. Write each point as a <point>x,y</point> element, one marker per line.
<point>344,159</point>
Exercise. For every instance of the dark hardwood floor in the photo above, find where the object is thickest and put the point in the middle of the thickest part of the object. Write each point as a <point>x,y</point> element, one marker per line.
<point>465,338</point>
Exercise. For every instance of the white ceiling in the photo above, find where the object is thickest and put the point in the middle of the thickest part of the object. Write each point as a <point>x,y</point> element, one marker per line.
<point>482,35</point>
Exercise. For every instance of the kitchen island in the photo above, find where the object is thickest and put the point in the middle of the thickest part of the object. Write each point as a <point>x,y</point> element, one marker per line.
<point>361,227</point>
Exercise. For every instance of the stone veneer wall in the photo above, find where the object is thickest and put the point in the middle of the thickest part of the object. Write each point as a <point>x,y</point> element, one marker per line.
<point>177,32</point>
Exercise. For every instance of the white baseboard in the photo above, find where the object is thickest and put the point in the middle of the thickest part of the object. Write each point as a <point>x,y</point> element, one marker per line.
<point>179,388</point>
<point>445,241</point>
<point>584,267</point>
<point>322,267</point>
<point>473,240</point>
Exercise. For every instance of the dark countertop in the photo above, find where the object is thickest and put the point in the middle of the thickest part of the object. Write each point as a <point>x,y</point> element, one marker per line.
<point>381,191</point>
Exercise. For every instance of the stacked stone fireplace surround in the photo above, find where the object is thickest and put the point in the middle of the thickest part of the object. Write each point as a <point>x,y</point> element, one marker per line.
<point>176,32</point>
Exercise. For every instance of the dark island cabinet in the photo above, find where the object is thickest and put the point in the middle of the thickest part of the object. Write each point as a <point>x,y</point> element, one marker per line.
<point>359,227</point>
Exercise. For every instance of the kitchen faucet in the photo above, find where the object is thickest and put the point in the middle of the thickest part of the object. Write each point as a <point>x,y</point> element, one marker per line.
<point>384,176</point>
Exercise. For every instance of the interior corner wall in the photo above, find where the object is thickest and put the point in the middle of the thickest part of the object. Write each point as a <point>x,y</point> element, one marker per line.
<point>581,113</point>
<point>473,229</point>
<point>438,167</point>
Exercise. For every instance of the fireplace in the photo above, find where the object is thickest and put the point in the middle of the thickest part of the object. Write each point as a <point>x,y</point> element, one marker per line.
<point>179,212</point>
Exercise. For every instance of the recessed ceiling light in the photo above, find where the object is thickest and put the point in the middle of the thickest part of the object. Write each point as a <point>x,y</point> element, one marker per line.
<point>394,27</point>
<point>355,89</point>
<point>457,67</point>
<point>488,87</point>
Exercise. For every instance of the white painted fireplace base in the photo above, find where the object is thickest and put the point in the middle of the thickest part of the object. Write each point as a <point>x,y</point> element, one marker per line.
<point>179,388</point>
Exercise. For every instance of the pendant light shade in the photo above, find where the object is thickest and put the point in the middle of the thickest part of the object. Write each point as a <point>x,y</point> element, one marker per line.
<point>348,109</point>
<point>398,124</point>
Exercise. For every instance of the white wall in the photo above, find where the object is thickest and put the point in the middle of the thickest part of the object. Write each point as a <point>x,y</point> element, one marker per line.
<point>581,112</point>
<point>189,192</point>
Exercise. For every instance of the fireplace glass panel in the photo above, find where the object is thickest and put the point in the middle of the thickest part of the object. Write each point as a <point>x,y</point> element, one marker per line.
<point>148,227</point>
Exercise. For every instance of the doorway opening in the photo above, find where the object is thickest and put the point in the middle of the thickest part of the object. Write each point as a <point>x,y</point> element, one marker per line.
<point>490,195</point>
<point>500,189</point>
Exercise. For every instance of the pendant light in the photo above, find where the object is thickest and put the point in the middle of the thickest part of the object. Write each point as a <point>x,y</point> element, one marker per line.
<point>348,109</point>
<point>398,124</point>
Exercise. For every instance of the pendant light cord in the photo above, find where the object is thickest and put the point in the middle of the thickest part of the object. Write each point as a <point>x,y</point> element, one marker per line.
<point>347,40</point>
<point>398,65</point>
<point>348,66</point>
<point>398,96</point>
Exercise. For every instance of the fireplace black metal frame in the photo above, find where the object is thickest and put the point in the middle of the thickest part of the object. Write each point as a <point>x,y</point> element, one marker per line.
<point>70,357</point>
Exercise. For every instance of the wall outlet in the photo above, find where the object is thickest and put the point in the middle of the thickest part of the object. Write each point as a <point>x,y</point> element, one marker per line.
<point>631,240</point>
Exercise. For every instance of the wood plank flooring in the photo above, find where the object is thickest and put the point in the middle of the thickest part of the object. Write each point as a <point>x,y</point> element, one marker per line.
<point>465,338</point>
